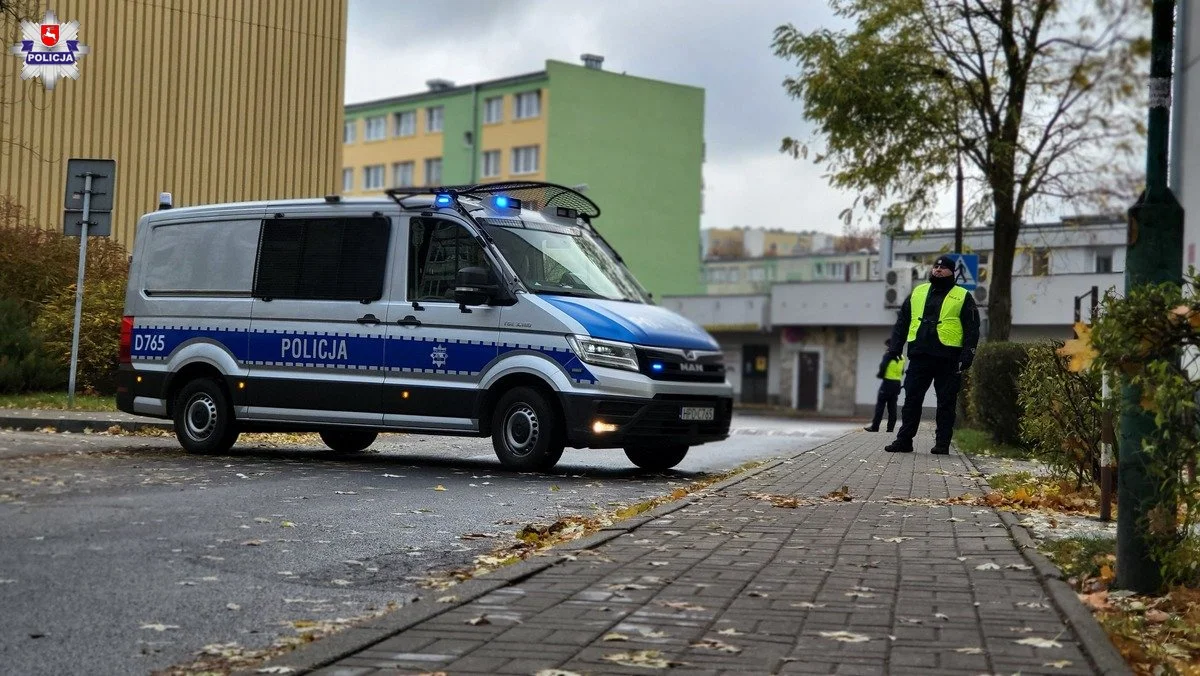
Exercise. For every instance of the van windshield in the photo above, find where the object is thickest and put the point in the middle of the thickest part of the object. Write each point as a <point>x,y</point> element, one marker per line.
<point>564,261</point>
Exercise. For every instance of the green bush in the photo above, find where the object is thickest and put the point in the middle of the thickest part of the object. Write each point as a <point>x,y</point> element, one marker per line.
<point>994,404</point>
<point>99,332</point>
<point>24,365</point>
<point>1061,413</point>
<point>36,264</point>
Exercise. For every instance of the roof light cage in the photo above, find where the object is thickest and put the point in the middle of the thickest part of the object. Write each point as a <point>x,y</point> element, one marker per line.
<point>534,195</point>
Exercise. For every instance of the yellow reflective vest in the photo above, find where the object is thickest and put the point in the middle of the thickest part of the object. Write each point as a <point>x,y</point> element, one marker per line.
<point>895,369</point>
<point>949,326</point>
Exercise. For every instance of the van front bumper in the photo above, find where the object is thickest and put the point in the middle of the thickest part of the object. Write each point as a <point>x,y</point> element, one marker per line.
<point>644,421</point>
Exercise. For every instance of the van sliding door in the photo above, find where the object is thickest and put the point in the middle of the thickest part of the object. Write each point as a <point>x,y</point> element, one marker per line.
<point>317,334</point>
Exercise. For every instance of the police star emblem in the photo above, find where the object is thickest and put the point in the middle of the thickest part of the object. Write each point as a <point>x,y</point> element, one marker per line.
<point>50,49</point>
<point>439,356</point>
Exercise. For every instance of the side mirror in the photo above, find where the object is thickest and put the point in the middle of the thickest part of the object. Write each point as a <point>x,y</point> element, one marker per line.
<point>473,286</point>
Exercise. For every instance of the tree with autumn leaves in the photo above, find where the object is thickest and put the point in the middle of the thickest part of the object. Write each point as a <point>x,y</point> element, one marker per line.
<point>1151,339</point>
<point>1039,98</point>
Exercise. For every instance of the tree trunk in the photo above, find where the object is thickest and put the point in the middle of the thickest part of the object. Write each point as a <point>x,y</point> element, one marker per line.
<point>1004,247</point>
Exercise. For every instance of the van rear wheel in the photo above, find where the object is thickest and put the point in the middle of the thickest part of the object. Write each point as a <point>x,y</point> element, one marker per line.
<point>348,441</point>
<point>204,421</point>
<point>527,432</point>
<point>656,458</point>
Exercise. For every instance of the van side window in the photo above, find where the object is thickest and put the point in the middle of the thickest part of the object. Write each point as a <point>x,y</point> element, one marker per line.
<point>437,250</point>
<point>322,258</point>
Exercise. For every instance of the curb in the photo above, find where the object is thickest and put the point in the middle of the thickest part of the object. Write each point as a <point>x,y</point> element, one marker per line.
<point>76,425</point>
<point>1093,640</point>
<point>330,649</point>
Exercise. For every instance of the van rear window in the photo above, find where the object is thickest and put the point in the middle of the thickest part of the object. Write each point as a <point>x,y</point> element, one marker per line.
<point>322,258</point>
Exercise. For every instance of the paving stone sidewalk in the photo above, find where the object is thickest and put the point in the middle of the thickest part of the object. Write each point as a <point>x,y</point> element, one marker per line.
<point>891,581</point>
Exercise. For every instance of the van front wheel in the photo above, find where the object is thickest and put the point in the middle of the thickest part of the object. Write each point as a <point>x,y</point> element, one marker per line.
<point>204,418</point>
<point>656,458</point>
<point>348,441</point>
<point>526,431</point>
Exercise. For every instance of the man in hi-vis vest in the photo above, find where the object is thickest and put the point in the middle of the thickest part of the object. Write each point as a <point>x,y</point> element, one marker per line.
<point>940,323</point>
<point>891,370</point>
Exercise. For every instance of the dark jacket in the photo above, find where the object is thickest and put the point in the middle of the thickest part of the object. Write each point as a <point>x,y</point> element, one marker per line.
<point>927,342</point>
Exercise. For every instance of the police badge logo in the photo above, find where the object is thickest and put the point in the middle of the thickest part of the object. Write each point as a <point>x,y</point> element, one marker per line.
<point>51,50</point>
<point>439,356</point>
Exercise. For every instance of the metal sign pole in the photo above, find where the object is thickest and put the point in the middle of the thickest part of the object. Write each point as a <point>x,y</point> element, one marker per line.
<point>83,238</point>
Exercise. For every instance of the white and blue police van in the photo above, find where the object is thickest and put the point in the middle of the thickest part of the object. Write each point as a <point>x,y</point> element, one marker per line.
<point>486,310</point>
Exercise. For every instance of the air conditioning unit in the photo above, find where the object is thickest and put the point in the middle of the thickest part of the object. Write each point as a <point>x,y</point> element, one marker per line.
<point>898,283</point>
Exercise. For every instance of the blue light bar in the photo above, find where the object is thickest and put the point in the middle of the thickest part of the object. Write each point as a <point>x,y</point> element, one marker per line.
<point>443,200</point>
<point>506,202</point>
<point>501,201</point>
<point>656,366</point>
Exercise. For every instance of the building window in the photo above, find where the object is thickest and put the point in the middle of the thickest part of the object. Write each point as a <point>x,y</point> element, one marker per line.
<point>433,119</point>
<point>373,177</point>
<point>322,258</point>
<point>405,124</point>
<point>1041,262</point>
<point>527,105</point>
<point>757,274</point>
<point>347,180</point>
<point>402,174</point>
<point>1104,261</point>
<point>348,131</point>
<point>437,250</point>
<point>525,160</point>
<point>493,110</point>
<point>433,171</point>
<point>376,128</point>
<point>491,163</point>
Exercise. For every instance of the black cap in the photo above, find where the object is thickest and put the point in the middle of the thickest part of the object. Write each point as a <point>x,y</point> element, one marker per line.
<point>944,261</point>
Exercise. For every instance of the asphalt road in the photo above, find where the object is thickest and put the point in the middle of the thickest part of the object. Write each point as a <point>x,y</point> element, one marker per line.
<point>123,555</point>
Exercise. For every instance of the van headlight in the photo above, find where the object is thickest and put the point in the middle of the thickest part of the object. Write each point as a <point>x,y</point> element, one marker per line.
<point>604,352</point>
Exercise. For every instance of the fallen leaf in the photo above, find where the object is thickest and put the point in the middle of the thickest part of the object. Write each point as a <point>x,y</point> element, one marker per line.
<point>987,566</point>
<point>860,595</point>
<point>159,626</point>
<point>895,539</point>
<point>1032,604</point>
<point>845,636</point>
<point>1040,642</point>
<point>233,606</point>
<point>942,616</point>
<point>658,563</point>
<point>279,669</point>
<point>650,659</point>
<point>1096,600</point>
<point>807,604</point>
<point>969,651</point>
<point>439,487</point>
<point>680,605</point>
<point>1019,566</point>
<point>731,632</point>
<point>1155,615</point>
<point>341,583</point>
<point>614,636</point>
<point>252,543</point>
<point>394,476</point>
<point>476,621</point>
<point>345,493</point>
<point>1060,664</point>
<point>714,644</point>
<point>758,594</point>
<point>286,524</point>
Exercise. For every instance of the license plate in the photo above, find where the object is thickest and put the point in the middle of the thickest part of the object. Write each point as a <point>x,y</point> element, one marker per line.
<point>696,413</point>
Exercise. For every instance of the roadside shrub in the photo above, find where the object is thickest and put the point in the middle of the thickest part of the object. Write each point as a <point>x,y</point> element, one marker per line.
<point>99,332</point>
<point>994,403</point>
<point>35,263</point>
<point>24,366</point>
<point>1061,413</point>
<point>962,414</point>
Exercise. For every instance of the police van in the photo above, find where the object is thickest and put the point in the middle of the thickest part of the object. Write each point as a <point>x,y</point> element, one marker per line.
<point>485,310</point>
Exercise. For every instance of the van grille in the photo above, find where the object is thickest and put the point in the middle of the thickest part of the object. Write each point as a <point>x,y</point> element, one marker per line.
<point>706,367</point>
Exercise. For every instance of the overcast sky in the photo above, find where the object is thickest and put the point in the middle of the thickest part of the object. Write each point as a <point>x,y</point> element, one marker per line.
<point>724,46</point>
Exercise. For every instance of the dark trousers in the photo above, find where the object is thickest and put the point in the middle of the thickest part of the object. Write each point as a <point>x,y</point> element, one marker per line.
<point>943,374</point>
<point>889,392</point>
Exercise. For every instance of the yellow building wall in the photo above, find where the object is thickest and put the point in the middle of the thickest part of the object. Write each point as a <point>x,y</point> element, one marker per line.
<point>211,100</point>
<point>416,149</point>
<point>512,133</point>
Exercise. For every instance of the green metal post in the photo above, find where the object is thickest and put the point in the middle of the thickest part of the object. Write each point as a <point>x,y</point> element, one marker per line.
<point>1155,256</point>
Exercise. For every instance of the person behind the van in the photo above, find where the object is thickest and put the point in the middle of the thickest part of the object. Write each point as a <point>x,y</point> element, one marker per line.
<point>891,370</point>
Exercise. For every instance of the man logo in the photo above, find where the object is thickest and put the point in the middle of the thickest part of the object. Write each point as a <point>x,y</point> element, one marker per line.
<point>693,368</point>
<point>689,355</point>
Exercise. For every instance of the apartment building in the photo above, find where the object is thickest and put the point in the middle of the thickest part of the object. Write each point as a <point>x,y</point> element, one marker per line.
<point>574,125</point>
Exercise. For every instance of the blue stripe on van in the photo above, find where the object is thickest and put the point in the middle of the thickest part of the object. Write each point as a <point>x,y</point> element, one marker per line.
<point>342,351</point>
